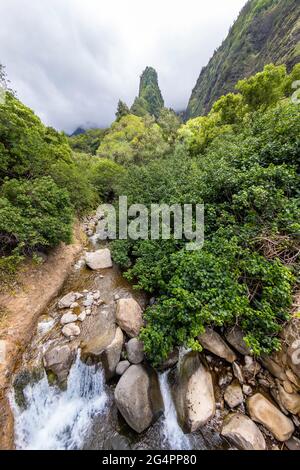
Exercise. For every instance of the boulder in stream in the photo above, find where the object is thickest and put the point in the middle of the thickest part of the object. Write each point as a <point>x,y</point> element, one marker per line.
<point>71,330</point>
<point>59,361</point>
<point>135,351</point>
<point>112,354</point>
<point>243,433</point>
<point>138,397</point>
<point>194,393</point>
<point>213,342</point>
<point>67,300</point>
<point>68,318</point>
<point>122,367</point>
<point>103,342</point>
<point>129,316</point>
<point>100,259</point>
<point>264,412</point>
<point>235,338</point>
<point>234,395</point>
<point>290,401</point>
<point>82,316</point>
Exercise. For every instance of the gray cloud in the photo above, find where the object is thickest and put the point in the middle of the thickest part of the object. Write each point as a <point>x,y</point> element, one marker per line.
<point>71,60</point>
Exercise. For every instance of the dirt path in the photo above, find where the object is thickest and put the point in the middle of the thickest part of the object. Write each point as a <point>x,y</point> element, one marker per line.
<point>39,286</point>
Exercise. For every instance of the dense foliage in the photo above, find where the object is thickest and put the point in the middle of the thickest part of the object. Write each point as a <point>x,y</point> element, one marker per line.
<point>87,141</point>
<point>242,161</point>
<point>133,139</point>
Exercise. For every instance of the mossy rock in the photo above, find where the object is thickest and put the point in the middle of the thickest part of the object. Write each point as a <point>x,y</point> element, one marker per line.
<point>23,378</point>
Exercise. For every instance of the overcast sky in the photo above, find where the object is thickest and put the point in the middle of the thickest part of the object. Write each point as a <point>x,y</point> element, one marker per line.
<point>71,60</point>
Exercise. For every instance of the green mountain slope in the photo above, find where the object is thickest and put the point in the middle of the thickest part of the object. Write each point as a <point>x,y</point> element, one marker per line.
<point>266,31</point>
<point>150,99</point>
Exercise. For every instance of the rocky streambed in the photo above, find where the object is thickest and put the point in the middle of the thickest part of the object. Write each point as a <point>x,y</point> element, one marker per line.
<point>84,381</point>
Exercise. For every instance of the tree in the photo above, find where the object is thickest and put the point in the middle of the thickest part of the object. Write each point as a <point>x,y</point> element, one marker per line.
<point>133,140</point>
<point>106,176</point>
<point>230,108</point>
<point>169,123</point>
<point>197,133</point>
<point>28,149</point>
<point>87,141</point>
<point>122,110</point>
<point>139,107</point>
<point>293,77</point>
<point>34,214</point>
<point>263,89</point>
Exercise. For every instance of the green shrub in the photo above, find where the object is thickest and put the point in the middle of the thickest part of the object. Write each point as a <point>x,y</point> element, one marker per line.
<point>105,177</point>
<point>34,214</point>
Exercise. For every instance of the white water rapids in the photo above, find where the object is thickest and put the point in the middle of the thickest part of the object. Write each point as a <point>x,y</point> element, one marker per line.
<point>60,420</point>
<point>173,436</point>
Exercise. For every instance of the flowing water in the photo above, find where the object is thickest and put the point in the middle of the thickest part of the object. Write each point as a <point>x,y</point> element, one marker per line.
<point>60,420</point>
<point>173,436</point>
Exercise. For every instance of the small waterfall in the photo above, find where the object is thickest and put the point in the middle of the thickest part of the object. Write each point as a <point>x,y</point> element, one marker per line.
<point>60,420</point>
<point>173,436</point>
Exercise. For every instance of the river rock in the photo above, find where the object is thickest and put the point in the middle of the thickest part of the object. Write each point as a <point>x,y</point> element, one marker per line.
<point>235,338</point>
<point>293,443</point>
<point>74,305</point>
<point>288,387</point>
<point>251,368</point>
<point>247,390</point>
<point>82,316</point>
<point>67,300</point>
<point>23,378</point>
<point>104,342</point>
<point>264,412</point>
<point>234,395</point>
<point>213,342</point>
<point>243,433</point>
<point>194,393</point>
<point>171,360</point>
<point>96,295</point>
<point>122,367</point>
<point>112,354</point>
<point>59,361</point>
<point>68,318</point>
<point>138,397</point>
<point>275,395</point>
<point>89,300</point>
<point>71,330</point>
<point>293,378</point>
<point>290,401</point>
<point>237,372</point>
<point>129,316</point>
<point>135,351</point>
<point>275,369</point>
<point>100,259</point>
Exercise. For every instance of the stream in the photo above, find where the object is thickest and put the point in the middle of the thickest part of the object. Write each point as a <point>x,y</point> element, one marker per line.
<point>84,415</point>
